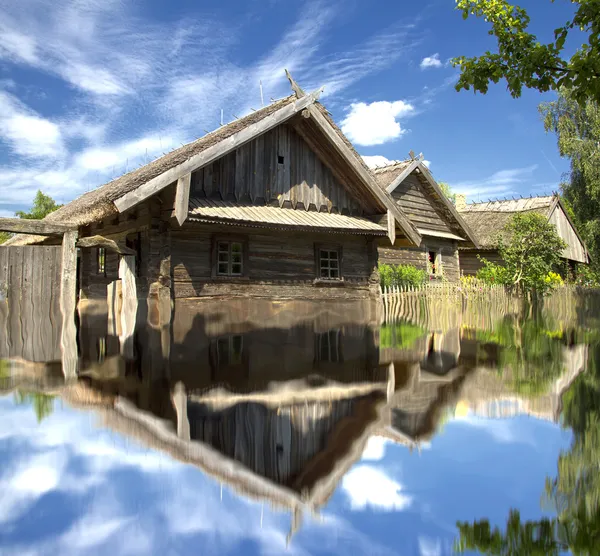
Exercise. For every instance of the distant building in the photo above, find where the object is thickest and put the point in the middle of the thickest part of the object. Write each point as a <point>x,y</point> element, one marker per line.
<point>487,220</point>
<point>442,228</point>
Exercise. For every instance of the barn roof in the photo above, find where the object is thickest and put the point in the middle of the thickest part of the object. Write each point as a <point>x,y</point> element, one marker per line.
<point>133,187</point>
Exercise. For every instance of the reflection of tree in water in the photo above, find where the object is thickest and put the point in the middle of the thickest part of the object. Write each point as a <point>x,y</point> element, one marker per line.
<point>574,494</point>
<point>530,350</point>
<point>43,404</point>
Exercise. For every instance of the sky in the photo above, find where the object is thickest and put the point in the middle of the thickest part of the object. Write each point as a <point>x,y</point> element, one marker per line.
<point>71,486</point>
<point>90,89</point>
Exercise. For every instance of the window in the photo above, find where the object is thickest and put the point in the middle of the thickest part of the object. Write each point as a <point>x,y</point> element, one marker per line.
<point>101,261</point>
<point>230,258</point>
<point>328,347</point>
<point>434,263</point>
<point>280,159</point>
<point>229,350</point>
<point>329,264</point>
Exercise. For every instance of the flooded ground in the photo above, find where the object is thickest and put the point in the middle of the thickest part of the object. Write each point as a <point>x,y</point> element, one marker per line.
<point>257,426</point>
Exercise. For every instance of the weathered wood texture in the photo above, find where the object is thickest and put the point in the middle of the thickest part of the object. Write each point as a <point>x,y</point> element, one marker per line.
<point>418,257</point>
<point>419,207</point>
<point>470,264</point>
<point>99,241</point>
<point>30,316</point>
<point>575,250</point>
<point>277,264</point>
<point>36,227</point>
<point>68,304</point>
<point>276,168</point>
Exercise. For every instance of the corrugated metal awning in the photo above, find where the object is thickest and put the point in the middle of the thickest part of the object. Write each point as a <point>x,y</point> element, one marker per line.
<point>434,233</point>
<point>224,212</point>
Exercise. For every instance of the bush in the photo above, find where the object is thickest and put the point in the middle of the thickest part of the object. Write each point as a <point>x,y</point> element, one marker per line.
<point>586,276</point>
<point>493,273</point>
<point>554,280</point>
<point>401,275</point>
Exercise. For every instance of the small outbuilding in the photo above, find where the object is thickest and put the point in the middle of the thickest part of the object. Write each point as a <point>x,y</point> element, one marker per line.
<point>441,227</point>
<point>488,220</point>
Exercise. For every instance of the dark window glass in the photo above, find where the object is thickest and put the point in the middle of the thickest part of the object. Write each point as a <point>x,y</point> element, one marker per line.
<point>101,261</point>
<point>230,258</point>
<point>329,264</point>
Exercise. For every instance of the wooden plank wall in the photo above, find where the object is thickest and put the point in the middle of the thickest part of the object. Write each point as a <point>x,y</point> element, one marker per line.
<point>415,203</point>
<point>256,174</point>
<point>417,257</point>
<point>274,258</point>
<point>470,264</point>
<point>575,250</point>
<point>30,317</point>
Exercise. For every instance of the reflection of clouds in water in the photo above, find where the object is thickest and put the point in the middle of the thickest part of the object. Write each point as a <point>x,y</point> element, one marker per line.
<point>99,493</point>
<point>369,486</point>
<point>375,448</point>
<point>501,430</point>
<point>430,547</point>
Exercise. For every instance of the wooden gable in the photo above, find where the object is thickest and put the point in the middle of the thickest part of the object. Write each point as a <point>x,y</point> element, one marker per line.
<point>575,250</point>
<point>418,205</point>
<point>277,168</point>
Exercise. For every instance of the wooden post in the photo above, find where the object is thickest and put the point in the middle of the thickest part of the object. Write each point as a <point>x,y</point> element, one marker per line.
<point>130,304</point>
<point>182,198</point>
<point>68,304</point>
<point>180,405</point>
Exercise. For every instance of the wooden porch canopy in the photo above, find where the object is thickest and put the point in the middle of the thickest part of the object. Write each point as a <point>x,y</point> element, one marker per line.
<point>214,211</point>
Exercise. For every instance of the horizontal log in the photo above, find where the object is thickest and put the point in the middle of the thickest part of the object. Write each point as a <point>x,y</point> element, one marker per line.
<point>101,241</point>
<point>37,227</point>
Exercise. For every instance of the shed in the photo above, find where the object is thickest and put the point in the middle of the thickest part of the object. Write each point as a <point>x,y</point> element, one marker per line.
<point>488,220</point>
<point>442,229</point>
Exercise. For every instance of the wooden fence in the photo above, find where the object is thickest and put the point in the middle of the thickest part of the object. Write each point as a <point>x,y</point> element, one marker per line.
<point>30,312</point>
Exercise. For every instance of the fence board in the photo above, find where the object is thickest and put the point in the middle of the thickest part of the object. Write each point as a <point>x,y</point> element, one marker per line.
<point>30,319</point>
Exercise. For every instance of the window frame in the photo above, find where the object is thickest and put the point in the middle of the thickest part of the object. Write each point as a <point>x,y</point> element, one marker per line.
<point>437,269</point>
<point>101,261</point>
<point>332,339</point>
<point>229,239</point>
<point>329,247</point>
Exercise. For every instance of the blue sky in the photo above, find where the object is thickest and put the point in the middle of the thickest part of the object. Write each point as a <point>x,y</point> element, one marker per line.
<point>92,88</point>
<point>71,486</point>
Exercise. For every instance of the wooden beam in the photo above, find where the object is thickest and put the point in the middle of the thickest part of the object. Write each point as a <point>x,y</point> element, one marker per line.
<point>295,87</point>
<point>101,241</point>
<point>36,227</point>
<point>68,303</point>
<point>214,152</point>
<point>382,196</point>
<point>405,173</point>
<point>391,227</point>
<point>182,198</point>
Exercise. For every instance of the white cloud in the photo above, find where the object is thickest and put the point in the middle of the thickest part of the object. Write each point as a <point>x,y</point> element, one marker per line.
<point>26,132</point>
<point>368,486</point>
<point>376,161</point>
<point>375,123</point>
<point>431,62</point>
<point>503,182</point>
<point>375,448</point>
<point>430,547</point>
<point>427,163</point>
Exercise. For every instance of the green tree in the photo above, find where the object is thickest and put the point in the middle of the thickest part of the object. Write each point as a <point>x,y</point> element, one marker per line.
<point>42,206</point>
<point>524,61</point>
<point>447,191</point>
<point>530,248</point>
<point>577,128</point>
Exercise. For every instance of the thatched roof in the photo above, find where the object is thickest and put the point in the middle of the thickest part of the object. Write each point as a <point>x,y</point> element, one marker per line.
<point>384,175</point>
<point>487,220</point>
<point>98,204</point>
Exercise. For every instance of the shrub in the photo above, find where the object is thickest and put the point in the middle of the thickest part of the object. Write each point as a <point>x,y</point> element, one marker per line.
<point>401,275</point>
<point>492,273</point>
<point>586,276</point>
<point>553,280</point>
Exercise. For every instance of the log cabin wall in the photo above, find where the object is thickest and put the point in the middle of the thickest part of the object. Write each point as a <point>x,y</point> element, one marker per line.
<point>417,257</point>
<point>278,264</point>
<point>277,168</point>
<point>470,264</point>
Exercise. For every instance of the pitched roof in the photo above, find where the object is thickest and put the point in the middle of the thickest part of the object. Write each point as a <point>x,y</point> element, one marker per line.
<point>487,220</point>
<point>103,202</point>
<point>390,176</point>
<point>215,211</point>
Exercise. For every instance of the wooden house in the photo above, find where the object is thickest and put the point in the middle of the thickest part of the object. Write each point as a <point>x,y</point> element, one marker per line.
<point>442,229</point>
<point>487,220</point>
<point>275,204</point>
